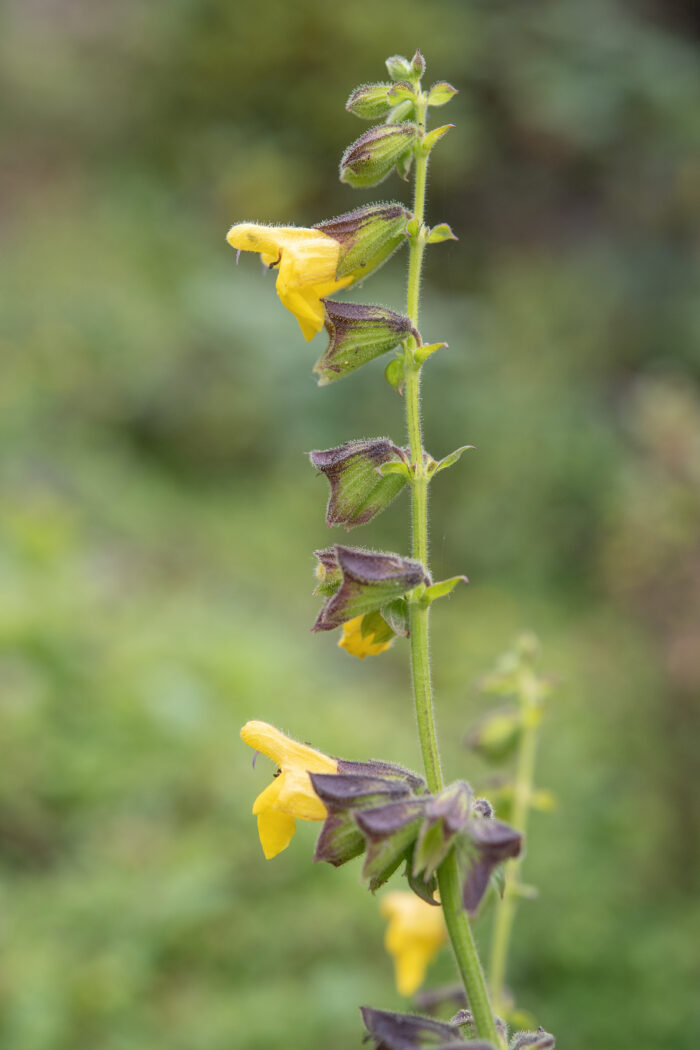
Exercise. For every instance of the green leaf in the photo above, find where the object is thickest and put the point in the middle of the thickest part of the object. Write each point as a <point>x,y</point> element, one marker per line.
<point>397,466</point>
<point>422,353</point>
<point>404,165</point>
<point>450,460</point>
<point>412,228</point>
<point>396,615</point>
<point>375,624</point>
<point>398,67</point>
<point>403,111</point>
<point>441,232</point>
<point>433,137</point>
<point>401,92</point>
<point>441,589</point>
<point>423,888</point>
<point>394,375</point>
<point>441,93</point>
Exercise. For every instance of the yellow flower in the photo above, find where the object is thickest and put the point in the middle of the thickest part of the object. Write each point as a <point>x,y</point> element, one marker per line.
<point>290,794</point>
<point>307,262</point>
<point>413,938</point>
<point>353,642</point>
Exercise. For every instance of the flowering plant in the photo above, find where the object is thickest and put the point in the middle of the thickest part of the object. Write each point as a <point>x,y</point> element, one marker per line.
<point>449,843</point>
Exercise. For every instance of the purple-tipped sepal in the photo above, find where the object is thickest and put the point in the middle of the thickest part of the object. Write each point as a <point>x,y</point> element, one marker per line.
<point>357,334</point>
<point>370,580</point>
<point>358,490</point>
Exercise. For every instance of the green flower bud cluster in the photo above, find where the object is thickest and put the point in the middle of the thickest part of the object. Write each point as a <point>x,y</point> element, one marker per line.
<point>393,144</point>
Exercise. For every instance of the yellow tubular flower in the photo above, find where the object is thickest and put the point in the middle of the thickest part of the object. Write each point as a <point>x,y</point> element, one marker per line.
<point>413,938</point>
<point>353,642</point>
<point>290,794</point>
<point>307,261</point>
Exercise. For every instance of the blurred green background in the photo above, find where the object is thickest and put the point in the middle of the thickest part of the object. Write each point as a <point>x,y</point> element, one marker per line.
<point>157,514</point>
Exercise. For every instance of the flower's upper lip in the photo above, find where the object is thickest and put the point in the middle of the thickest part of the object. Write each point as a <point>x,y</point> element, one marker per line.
<point>285,752</point>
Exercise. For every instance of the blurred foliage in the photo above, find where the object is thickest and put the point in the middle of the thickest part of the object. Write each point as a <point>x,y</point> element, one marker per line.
<point>157,515</point>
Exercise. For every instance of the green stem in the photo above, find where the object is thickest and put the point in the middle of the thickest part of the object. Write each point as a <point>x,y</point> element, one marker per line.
<point>524,781</point>
<point>449,881</point>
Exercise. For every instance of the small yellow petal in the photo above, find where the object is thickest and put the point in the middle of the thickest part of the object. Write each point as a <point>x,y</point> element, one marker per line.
<point>276,831</point>
<point>410,968</point>
<point>268,798</point>
<point>297,796</point>
<point>415,933</point>
<point>353,642</point>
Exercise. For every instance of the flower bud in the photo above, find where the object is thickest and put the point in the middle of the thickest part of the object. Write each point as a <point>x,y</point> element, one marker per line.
<point>367,237</point>
<point>370,101</point>
<point>497,736</point>
<point>358,334</point>
<point>418,64</point>
<point>358,491</point>
<point>370,579</point>
<point>371,158</point>
<point>398,67</point>
<point>328,572</point>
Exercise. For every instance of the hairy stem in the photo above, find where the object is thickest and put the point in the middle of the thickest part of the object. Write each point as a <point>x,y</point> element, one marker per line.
<point>456,920</point>
<point>524,780</point>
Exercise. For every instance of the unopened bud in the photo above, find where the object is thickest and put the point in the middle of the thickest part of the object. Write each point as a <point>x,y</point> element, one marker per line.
<point>371,101</point>
<point>371,158</point>
<point>418,64</point>
<point>327,572</point>
<point>497,736</point>
<point>398,67</point>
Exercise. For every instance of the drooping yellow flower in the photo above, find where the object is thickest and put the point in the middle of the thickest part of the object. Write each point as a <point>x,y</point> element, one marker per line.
<point>307,261</point>
<point>353,642</point>
<point>290,795</point>
<point>415,934</point>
